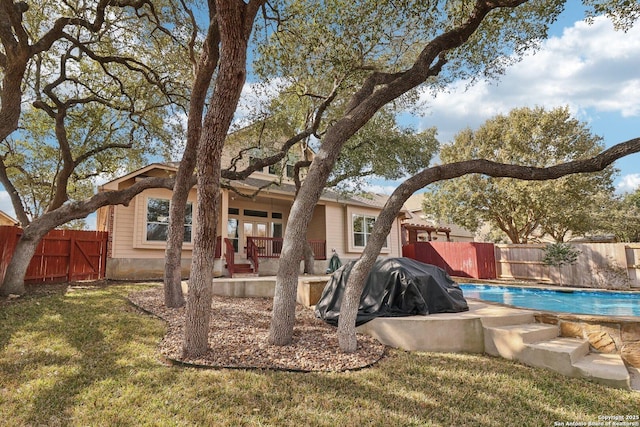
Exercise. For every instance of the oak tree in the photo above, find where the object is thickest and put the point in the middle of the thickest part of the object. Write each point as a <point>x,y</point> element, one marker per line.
<point>98,93</point>
<point>379,53</point>
<point>522,210</point>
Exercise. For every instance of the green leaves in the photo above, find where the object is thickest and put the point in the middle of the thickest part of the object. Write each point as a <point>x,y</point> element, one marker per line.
<point>524,210</point>
<point>381,148</point>
<point>100,98</point>
<point>559,254</point>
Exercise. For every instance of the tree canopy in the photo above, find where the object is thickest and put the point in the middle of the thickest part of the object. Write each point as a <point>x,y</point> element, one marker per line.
<point>85,85</point>
<point>619,215</point>
<point>523,210</point>
<point>92,98</point>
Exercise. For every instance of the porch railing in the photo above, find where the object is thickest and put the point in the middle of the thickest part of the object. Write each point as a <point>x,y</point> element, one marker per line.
<point>252,252</point>
<point>271,247</point>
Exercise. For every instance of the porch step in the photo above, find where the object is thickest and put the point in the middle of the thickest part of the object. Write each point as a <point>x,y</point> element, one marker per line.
<point>243,270</point>
<point>558,355</point>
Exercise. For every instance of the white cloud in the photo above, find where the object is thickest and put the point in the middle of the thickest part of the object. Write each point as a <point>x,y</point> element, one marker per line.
<point>590,68</point>
<point>628,183</point>
<point>255,99</point>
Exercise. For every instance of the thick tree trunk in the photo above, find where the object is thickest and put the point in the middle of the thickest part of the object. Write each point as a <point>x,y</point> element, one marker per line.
<point>351,301</point>
<point>357,279</point>
<point>309,259</point>
<point>198,311</point>
<point>17,268</point>
<point>284,301</point>
<point>207,63</point>
<point>235,20</point>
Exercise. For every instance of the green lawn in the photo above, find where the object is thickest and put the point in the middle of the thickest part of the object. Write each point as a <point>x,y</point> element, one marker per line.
<point>86,357</point>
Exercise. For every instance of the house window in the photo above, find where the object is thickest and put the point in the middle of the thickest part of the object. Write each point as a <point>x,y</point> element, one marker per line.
<point>362,228</point>
<point>158,220</point>
<point>277,170</point>
<point>259,214</point>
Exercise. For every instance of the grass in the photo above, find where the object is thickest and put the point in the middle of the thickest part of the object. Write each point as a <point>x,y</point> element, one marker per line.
<point>86,357</point>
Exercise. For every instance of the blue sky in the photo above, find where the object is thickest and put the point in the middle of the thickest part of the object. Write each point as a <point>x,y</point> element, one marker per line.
<point>591,68</point>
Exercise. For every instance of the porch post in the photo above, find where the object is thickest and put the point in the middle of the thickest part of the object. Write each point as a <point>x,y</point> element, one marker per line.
<point>224,219</point>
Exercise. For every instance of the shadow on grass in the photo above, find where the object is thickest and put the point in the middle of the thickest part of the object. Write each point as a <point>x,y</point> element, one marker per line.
<point>88,358</point>
<point>56,347</point>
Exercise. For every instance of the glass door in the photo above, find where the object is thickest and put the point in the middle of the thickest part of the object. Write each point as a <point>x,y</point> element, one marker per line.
<point>254,229</point>
<point>233,231</point>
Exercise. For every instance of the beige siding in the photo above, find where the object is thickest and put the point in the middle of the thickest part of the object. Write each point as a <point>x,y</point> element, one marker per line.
<point>318,224</point>
<point>395,239</point>
<point>392,248</point>
<point>130,224</point>
<point>335,229</point>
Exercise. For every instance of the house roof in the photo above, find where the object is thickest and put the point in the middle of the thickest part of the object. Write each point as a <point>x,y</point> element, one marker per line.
<point>171,167</point>
<point>370,200</point>
<point>261,181</point>
<point>8,218</point>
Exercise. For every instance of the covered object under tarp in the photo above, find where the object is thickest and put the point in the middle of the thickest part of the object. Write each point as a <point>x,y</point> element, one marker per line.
<point>395,287</point>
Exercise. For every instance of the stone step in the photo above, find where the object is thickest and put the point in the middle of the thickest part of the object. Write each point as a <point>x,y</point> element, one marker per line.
<point>607,369</point>
<point>509,341</point>
<point>558,355</point>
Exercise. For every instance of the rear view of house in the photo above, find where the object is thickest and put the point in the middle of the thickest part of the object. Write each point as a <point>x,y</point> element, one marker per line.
<point>250,228</point>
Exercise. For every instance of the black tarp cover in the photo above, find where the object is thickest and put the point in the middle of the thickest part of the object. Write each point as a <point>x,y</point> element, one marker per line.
<point>395,287</point>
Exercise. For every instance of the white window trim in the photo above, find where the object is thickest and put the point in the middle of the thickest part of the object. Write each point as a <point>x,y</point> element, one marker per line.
<point>351,211</point>
<point>140,225</point>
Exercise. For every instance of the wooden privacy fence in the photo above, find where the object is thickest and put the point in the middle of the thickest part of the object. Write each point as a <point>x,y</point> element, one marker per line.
<point>599,265</point>
<point>462,259</point>
<point>63,255</point>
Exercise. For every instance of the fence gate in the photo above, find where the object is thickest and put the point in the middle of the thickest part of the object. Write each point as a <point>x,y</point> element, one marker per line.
<point>62,255</point>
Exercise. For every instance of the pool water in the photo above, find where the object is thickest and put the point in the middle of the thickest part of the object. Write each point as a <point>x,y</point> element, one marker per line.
<point>579,302</point>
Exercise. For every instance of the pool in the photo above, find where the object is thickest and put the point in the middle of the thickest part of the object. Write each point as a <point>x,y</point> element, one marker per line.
<point>567,301</point>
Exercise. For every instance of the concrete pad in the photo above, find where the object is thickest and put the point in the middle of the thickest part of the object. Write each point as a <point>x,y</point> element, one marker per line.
<point>309,287</point>
<point>428,333</point>
<point>244,287</point>
<point>443,332</point>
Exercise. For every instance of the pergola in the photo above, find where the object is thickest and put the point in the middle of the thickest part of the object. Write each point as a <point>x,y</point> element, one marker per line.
<point>410,232</point>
